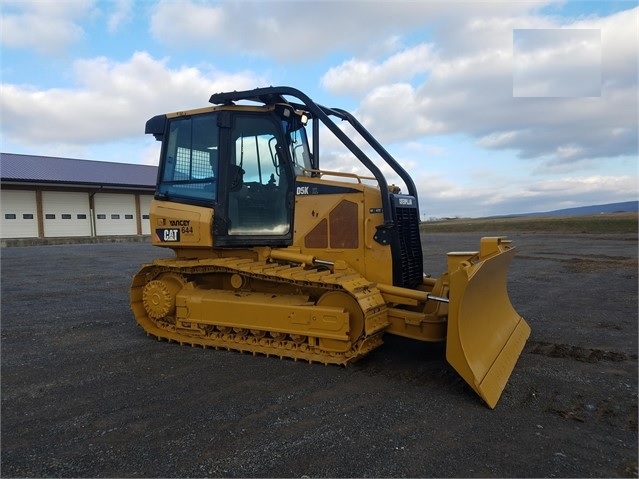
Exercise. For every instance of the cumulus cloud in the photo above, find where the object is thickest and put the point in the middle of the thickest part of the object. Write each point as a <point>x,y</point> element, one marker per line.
<point>446,198</point>
<point>283,31</point>
<point>120,15</point>
<point>53,27</point>
<point>459,82</point>
<point>46,27</point>
<point>556,62</point>
<point>470,92</point>
<point>359,76</point>
<point>112,100</point>
<point>395,112</point>
<point>188,22</point>
<point>412,70</point>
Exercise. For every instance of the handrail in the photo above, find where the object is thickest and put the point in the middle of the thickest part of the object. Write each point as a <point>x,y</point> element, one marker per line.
<point>344,174</point>
<point>276,94</point>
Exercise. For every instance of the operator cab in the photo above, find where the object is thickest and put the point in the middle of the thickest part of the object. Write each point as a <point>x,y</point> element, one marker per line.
<point>241,162</point>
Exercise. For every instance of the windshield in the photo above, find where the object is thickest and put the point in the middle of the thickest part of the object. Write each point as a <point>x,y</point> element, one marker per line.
<point>298,144</point>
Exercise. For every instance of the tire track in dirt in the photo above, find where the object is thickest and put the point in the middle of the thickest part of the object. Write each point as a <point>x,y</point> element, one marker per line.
<point>578,353</point>
<point>585,262</point>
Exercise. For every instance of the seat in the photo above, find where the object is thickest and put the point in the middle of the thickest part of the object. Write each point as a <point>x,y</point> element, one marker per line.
<point>236,178</point>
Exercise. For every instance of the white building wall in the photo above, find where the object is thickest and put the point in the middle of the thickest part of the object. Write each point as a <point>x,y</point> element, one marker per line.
<point>19,214</point>
<point>66,214</point>
<point>114,214</point>
<point>145,207</point>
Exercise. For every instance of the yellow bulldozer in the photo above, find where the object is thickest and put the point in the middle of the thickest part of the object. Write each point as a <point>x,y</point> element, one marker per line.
<point>277,257</point>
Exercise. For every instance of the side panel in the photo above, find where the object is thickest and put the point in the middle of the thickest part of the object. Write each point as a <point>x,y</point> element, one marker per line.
<point>177,225</point>
<point>379,260</point>
<point>337,221</point>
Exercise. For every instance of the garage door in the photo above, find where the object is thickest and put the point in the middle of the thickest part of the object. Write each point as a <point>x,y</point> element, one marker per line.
<point>145,206</point>
<point>19,214</point>
<point>66,214</point>
<point>115,214</point>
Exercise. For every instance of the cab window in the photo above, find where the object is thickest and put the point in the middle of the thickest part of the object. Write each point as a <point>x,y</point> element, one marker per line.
<point>190,166</point>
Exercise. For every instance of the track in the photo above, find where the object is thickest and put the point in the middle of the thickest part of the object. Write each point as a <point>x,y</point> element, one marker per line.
<point>261,307</point>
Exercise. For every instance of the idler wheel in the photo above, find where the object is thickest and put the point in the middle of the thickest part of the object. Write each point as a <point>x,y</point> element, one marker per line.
<point>344,301</point>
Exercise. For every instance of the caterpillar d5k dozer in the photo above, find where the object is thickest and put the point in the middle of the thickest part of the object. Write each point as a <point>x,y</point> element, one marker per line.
<point>275,256</point>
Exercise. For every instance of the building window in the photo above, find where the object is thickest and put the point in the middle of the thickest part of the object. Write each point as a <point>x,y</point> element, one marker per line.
<point>27,216</point>
<point>9,216</point>
<point>145,217</point>
<point>82,217</point>
<point>66,216</point>
<point>49,216</point>
<point>128,217</point>
<point>101,217</point>
<point>115,217</point>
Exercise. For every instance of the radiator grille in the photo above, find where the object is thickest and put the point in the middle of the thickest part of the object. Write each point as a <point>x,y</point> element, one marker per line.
<point>410,248</point>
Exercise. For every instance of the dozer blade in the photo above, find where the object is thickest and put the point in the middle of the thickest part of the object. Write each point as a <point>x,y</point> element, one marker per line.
<point>485,334</point>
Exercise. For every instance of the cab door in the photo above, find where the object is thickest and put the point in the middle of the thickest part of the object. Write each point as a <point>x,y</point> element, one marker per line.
<point>258,183</point>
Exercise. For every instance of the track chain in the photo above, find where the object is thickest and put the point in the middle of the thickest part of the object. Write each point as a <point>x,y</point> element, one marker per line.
<point>295,347</point>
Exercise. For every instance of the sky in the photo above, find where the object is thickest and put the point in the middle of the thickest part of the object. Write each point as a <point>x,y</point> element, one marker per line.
<point>494,107</point>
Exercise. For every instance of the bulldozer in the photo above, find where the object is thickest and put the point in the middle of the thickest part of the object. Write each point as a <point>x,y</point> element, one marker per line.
<point>275,256</point>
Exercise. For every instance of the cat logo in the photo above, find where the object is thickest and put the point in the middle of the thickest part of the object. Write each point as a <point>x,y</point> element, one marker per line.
<point>167,235</point>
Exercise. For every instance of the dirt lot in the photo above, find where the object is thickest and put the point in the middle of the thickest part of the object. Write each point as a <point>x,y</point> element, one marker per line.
<point>85,393</point>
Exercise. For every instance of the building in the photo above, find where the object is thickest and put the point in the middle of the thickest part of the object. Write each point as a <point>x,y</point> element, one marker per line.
<point>46,197</point>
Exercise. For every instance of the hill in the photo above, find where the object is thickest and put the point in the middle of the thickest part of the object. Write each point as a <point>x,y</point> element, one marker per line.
<point>625,222</point>
<point>625,207</point>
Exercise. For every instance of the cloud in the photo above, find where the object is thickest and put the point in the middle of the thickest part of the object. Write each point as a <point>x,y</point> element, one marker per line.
<point>445,198</point>
<point>281,31</point>
<point>112,101</point>
<point>556,62</point>
<point>46,27</point>
<point>187,22</point>
<point>359,76</point>
<point>413,72</point>
<point>120,15</point>
<point>469,92</point>
<point>625,185</point>
<point>395,112</point>
<point>52,28</point>
<point>459,82</point>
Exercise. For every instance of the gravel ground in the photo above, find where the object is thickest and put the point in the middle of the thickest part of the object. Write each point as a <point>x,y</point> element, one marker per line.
<point>85,393</point>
